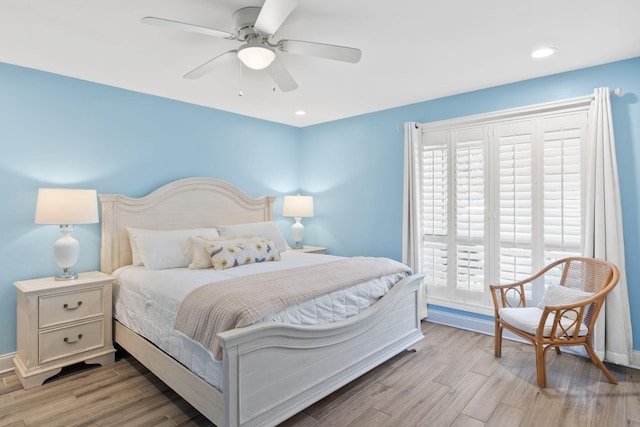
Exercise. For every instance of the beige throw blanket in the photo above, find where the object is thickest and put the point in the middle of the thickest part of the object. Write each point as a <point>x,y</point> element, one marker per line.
<point>234,303</point>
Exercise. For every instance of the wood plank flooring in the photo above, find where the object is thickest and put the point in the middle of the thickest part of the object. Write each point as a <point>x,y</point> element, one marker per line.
<point>452,379</point>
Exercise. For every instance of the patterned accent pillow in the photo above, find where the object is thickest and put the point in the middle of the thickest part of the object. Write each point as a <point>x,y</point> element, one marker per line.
<point>196,249</point>
<point>234,252</point>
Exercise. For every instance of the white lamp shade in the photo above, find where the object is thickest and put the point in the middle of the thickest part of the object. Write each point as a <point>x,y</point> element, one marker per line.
<point>298,206</point>
<point>66,206</point>
<point>256,56</point>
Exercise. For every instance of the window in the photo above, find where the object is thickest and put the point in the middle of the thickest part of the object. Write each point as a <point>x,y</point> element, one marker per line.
<point>501,197</point>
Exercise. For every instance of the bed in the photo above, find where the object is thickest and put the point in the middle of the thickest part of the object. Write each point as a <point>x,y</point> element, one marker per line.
<point>270,370</point>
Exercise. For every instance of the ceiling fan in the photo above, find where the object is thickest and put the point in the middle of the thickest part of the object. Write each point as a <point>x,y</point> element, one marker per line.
<point>255,28</point>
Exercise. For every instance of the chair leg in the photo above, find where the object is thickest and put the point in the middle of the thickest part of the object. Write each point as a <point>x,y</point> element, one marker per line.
<point>541,368</point>
<point>498,339</point>
<point>595,359</point>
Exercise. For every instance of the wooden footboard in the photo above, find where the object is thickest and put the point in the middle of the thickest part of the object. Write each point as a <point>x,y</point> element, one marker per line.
<point>273,371</point>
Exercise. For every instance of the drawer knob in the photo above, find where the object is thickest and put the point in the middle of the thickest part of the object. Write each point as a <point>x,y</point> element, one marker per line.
<point>73,342</point>
<point>66,306</point>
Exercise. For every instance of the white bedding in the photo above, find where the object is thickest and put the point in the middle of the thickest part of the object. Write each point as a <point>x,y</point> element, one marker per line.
<point>147,302</point>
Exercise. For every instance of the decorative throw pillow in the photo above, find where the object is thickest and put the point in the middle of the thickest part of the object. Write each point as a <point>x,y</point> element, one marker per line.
<point>561,295</point>
<point>268,230</point>
<point>234,252</point>
<point>196,249</point>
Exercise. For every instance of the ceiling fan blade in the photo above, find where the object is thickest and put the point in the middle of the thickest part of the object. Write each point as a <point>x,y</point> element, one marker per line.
<point>273,14</point>
<point>161,22</point>
<point>282,77</point>
<point>209,66</point>
<point>329,51</point>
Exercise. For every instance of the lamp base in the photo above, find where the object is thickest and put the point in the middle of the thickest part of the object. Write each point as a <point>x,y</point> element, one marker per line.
<point>66,250</point>
<point>298,245</point>
<point>297,232</point>
<point>67,274</point>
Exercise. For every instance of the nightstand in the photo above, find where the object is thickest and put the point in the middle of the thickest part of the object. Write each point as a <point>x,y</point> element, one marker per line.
<point>60,323</point>
<point>310,250</point>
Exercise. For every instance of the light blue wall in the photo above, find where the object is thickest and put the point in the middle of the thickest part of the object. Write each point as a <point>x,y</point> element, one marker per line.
<point>61,131</point>
<point>354,166</point>
<point>58,131</point>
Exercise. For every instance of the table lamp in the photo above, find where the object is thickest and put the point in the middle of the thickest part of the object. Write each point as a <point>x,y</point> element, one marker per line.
<point>298,207</point>
<point>66,207</point>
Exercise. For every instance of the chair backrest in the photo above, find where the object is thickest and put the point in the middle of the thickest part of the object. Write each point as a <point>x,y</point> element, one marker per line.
<point>586,274</point>
<point>589,275</point>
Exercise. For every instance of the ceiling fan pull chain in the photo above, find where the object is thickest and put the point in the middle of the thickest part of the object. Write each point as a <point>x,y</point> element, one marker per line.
<point>240,93</point>
<point>273,80</point>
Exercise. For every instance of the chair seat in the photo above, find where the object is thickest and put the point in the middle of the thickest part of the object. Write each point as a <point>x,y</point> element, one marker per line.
<point>527,319</point>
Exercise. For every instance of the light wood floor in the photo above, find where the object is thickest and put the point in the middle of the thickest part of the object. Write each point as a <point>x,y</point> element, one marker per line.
<point>452,380</point>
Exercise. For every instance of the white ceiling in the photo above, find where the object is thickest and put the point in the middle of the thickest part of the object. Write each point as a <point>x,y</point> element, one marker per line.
<point>412,50</point>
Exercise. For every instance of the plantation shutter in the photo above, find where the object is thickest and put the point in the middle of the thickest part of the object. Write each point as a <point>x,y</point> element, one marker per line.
<point>502,198</point>
<point>435,222</point>
<point>469,274</point>
<point>562,185</point>
<point>515,189</point>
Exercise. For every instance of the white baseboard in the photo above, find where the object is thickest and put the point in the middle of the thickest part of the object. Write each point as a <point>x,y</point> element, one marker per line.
<point>487,327</point>
<point>6,362</point>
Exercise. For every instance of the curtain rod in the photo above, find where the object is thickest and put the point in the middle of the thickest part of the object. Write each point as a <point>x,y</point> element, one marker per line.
<point>401,126</point>
<point>616,92</point>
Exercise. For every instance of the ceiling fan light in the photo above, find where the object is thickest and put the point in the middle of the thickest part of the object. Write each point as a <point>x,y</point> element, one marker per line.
<point>256,56</point>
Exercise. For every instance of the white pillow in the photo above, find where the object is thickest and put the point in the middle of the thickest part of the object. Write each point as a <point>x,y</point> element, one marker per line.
<point>561,295</point>
<point>136,259</point>
<point>268,230</point>
<point>161,249</point>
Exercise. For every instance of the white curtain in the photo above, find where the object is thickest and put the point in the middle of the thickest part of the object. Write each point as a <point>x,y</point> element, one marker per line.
<point>411,230</point>
<point>602,232</point>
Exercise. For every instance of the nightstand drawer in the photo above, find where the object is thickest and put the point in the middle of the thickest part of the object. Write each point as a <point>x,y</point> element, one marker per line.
<point>57,343</point>
<point>61,308</point>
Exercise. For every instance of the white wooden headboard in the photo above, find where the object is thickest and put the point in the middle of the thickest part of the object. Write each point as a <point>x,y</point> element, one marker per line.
<point>186,203</point>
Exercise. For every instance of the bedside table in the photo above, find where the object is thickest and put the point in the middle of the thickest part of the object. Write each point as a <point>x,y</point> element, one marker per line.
<point>60,323</point>
<point>310,250</point>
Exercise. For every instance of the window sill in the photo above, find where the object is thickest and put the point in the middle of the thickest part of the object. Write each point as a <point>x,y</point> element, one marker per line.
<point>460,305</point>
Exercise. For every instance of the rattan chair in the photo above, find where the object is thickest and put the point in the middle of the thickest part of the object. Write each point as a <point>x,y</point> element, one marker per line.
<point>567,313</point>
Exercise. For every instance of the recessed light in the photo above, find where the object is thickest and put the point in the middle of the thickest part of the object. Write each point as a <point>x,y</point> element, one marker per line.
<point>300,113</point>
<point>543,52</point>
